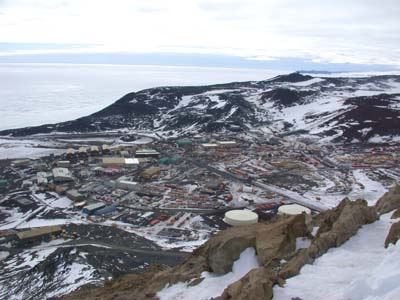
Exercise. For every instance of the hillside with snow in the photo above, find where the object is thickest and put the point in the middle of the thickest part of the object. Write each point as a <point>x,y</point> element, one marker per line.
<point>336,109</point>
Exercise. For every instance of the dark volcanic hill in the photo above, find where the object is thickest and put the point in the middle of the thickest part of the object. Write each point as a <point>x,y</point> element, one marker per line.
<point>351,109</point>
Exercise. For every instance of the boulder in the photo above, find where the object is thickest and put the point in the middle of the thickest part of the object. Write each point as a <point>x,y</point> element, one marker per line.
<point>255,285</point>
<point>295,263</point>
<point>396,214</point>
<point>225,247</point>
<point>277,240</point>
<point>389,201</point>
<point>393,235</point>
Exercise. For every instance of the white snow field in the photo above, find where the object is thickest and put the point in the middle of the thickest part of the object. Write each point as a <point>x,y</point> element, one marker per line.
<point>361,269</point>
<point>11,149</point>
<point>212,285</point>
<point>363,187</point>
<point>372,190</point>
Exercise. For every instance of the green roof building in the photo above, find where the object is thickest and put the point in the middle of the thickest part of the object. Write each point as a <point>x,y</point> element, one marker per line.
<point>168,160</point>
<point>183,142</point>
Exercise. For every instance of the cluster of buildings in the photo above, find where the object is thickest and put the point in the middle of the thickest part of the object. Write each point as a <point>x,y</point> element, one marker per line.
<point>163,184</point>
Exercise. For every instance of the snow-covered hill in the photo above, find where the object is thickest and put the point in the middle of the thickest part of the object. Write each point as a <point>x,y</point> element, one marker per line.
<point>346,109</point>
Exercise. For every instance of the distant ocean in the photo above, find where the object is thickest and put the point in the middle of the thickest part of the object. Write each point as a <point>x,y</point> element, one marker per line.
<point>35,94</point>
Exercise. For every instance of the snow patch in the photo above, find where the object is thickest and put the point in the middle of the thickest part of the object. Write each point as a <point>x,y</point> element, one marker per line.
<point>302,243</point>
<point>212,285</point>
<point>371,190</point>
<point>307,82</point>
<point>3,255</point>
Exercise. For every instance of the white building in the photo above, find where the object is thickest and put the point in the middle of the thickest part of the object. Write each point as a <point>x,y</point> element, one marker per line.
<point>127,185</point>
<point>209,145</point>
<point>41,178</point>
<point>62,175</point>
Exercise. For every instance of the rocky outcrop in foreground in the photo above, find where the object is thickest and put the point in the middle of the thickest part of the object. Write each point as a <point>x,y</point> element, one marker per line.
<point>275,244</point>
<point>389,201</point>
<point>336,226</point>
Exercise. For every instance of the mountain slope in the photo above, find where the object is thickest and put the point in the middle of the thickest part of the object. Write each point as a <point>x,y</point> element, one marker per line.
<point>340,108</point>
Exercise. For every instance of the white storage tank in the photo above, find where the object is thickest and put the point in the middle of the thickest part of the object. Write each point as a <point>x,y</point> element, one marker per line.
<point>293,209</point>
<point>240,217</point>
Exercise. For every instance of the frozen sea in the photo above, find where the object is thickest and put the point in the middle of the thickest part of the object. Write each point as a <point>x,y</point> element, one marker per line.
<point>35,94</point>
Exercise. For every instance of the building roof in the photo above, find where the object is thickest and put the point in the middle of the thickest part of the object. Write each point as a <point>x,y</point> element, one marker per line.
<point>147,152</point>
<point>38,231</point>
<point>70,151</point>
<point>24,201</point>
<point>226,142</point>
<point>120,161</point>
<point>209,145</point>
<point>113,160</point>
<point>61,172</point>
<point>127,182</point>
<point>80,204</point>
<point>131,161</point>
<point>151,172</point>
<point>183,142</point>
<point>94,206</point>
<point>73,193</point>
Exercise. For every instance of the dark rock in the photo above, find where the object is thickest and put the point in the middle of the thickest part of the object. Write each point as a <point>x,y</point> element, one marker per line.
<point>292,77</point>
<point>255,285</point>
<point>277,240</point>
<point>286,97</point>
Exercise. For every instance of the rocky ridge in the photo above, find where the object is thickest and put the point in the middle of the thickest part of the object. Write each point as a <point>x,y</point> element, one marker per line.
<point>275,244</point>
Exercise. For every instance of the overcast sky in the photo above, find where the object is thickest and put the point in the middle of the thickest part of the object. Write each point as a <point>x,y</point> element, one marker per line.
<point>324,31</point>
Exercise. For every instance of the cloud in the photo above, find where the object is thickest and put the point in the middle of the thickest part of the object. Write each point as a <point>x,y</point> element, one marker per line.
<point>357,31</point>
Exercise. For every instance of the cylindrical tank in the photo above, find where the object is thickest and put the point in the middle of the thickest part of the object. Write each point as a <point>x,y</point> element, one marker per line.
<point>240,217</point>
<point>293,209</point>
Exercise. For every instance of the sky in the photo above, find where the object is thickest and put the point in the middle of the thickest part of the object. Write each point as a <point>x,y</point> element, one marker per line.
<point>324,34</point>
